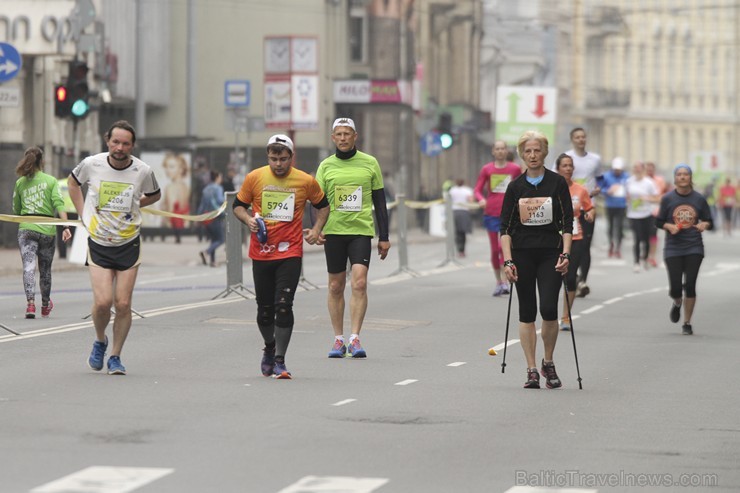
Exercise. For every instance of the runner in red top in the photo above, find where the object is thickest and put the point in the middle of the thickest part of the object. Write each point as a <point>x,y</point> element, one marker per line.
<point>581,202</point>
<point>489,190</point>
<point>277,194</point>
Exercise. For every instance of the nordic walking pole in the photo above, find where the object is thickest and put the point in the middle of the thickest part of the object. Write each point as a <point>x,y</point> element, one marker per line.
<point>506,337</point>
<point>572,333</point>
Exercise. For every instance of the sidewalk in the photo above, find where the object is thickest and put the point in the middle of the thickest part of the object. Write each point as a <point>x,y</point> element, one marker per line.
<point>163,253</point>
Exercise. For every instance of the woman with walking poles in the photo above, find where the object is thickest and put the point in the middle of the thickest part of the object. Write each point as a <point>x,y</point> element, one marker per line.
<point>537,208</point>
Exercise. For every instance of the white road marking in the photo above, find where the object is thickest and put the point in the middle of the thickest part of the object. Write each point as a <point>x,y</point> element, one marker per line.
<point>613,300</point>
<point>457,363</point>
<point>406,382</point>
<point>594,308</point>
<point>104,479</point>
<point>345,401</point>
<point>501,346</point>
<point>84,325</point>
<point>339,484</point>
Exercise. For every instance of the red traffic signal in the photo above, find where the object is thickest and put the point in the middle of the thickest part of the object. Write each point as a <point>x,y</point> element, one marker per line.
<point>61,93</point>
<point>62,104</point>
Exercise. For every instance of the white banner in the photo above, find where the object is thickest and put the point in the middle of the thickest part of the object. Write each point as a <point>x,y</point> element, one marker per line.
<point>305,101</point>
<point>277,103</point>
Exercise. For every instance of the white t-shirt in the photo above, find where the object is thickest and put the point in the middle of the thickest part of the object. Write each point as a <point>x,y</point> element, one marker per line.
<point>111,213</point>
<point>461,196</point>
<point>585,168</point>
<point>637,191</point>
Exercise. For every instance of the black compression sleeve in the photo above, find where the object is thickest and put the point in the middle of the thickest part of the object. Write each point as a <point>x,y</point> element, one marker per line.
<point>239,203</point>
<point>381,213</point>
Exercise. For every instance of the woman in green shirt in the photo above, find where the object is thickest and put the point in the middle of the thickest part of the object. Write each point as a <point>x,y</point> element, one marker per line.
<point>37,194</point>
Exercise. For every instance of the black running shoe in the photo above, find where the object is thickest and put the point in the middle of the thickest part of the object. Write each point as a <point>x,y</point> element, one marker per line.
<point>675,314</point>
<point>533,379</point>
<point>551,376</point>
<point>687,330</point>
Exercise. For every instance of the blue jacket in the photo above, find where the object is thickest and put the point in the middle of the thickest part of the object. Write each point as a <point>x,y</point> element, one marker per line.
<point>606,181</point>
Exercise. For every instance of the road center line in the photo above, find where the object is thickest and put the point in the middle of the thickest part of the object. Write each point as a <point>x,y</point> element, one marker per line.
<point>345,401</point>
<point>406,382</point>
<point>594,308</point>
<point>457,363</point>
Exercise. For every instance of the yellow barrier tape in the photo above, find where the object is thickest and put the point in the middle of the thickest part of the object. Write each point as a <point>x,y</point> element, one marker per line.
<point>55,221</point>
<point>199,217</point>
<point>51,221</point>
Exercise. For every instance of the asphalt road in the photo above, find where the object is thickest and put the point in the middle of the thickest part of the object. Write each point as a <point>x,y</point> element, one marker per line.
<point>428,411</point>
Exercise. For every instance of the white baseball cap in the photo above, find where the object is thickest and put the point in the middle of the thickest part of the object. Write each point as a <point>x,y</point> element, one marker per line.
<point>282,140</point>
<point>617,163</point>
<point>344,122</point>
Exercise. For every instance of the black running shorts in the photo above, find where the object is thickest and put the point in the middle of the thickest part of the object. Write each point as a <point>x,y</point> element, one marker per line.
<point>340,248</point>
<point>121,257</point>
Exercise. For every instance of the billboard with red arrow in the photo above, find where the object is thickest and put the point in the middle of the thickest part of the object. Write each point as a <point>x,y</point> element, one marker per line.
<point>522,108</point>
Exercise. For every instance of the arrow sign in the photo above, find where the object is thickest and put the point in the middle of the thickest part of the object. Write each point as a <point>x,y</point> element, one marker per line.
<point>513,106</point>
<point>523,108</point>
<point>539,110</point>
<point>10,62</point>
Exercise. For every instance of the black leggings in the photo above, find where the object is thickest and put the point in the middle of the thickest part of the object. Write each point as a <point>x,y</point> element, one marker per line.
<point>615,219</point>
<point>641,235</point>
<point>536,270</point>
<point>678,267</point>
<point>275,282</point>
<point>588,234</point>
<point>576,260</point>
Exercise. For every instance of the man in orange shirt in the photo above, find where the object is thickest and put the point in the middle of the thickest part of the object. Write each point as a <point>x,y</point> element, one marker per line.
<point>271,202</point>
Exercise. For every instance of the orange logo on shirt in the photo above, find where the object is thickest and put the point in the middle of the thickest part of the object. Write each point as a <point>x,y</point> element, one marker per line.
<point>684,216</point>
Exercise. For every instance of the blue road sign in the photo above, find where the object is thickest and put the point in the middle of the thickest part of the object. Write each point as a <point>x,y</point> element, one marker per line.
<point>237,93</point>
<point>431,144</point>
<point>10,62</point>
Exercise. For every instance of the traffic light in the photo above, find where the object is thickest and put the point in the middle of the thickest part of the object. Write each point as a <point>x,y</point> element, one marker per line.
<point>78,90</point>
<point>62,104</point>
<point>444,127</point>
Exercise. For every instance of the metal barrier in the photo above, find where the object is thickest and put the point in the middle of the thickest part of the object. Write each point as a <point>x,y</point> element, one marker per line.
<point>234,261</point>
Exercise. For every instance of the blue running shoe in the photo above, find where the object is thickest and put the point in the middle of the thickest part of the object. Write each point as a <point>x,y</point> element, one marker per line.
<point>268,361</point>
<point>339,350</point>
<point>95,361</point>
<point>115,367</point>
<point>355,349</point>
<point>280,371</point>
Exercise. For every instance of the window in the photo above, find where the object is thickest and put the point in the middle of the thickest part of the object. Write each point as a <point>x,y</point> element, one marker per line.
<point>358,31</point>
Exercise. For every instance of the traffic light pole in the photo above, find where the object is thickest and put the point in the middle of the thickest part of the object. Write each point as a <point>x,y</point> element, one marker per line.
<point>76,142</point>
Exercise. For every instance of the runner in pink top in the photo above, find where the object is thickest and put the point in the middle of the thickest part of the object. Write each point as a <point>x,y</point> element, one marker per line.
<point>489,190</point>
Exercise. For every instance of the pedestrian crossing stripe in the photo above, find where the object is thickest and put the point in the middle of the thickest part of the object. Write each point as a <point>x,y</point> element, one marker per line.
<point>104,479</point>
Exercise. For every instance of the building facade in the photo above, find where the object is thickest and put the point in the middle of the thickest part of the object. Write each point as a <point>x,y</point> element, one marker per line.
<point>652,81</point>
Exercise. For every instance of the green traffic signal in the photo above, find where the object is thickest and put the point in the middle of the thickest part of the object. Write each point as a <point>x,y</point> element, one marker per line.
<point>445,140</point>
<point>80,108</point>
